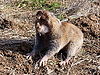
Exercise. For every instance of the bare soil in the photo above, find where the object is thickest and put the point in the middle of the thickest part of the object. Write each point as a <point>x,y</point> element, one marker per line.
<point>17,39</point>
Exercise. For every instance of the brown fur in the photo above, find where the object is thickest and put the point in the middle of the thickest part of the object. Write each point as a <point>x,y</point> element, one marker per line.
<point>57,36</point>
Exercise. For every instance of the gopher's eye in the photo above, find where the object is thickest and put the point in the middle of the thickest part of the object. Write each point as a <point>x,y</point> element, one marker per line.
<point>38,17</point>
<point>37,25</point>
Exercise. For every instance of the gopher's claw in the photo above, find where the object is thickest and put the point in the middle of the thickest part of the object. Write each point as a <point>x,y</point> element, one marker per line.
<point>43,62</point>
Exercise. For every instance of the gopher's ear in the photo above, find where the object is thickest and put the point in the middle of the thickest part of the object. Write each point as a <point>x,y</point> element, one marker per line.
<point>39,14</point>
<point>42,14</point>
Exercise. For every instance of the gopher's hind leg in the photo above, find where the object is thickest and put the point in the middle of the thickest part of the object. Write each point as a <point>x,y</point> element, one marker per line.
<point>73,48</point>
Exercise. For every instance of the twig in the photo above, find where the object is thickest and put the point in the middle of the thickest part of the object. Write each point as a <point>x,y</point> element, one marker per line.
<point>73,64</point>
<point>98,56</point>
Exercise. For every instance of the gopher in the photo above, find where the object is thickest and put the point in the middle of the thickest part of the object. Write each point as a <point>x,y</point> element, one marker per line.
<point>55,35</point>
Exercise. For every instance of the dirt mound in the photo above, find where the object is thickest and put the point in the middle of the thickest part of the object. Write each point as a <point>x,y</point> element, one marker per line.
<point>17,39</point>
<point>13,49</point>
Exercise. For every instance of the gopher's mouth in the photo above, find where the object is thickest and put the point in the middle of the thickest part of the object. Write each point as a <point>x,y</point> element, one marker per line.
<point>41,34</point>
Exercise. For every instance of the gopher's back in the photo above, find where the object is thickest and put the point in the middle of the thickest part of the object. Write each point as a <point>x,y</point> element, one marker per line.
<point>70,32</point>
<point>71,29</point>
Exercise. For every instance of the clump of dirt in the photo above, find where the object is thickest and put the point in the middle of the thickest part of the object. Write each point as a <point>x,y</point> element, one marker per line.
<point>14,61</point>
<point>4,23</point>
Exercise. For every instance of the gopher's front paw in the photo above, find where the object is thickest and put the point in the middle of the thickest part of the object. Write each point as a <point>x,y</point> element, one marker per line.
<point>43,61</point>
<point>30,55</point>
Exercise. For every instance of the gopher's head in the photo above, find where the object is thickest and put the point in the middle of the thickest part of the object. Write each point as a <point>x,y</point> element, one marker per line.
<point>45,21</point>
